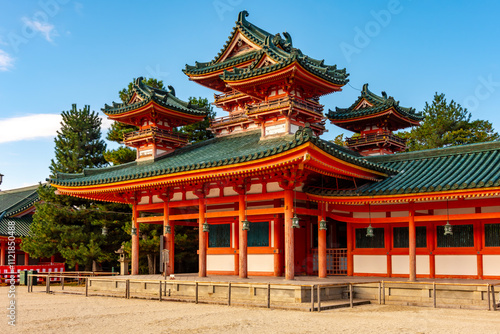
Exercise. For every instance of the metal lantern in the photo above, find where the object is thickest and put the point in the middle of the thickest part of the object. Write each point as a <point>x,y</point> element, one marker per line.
<point>134,230</point>
<point>448,229</point>
<point>168,229</point>
<point>104,230</point>
<point>369,231</point>
<point>206,228</point>
<point>322,225</point>
<point>295,221</point>
<point>245,225</point>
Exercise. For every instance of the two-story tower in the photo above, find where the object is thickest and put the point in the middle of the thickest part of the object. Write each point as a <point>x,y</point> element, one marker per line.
<point>374,118</point>
<point>157,113</point>
<point>264,82</point>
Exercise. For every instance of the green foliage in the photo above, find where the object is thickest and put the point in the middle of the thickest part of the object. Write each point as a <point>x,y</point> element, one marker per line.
<point>120,155</point>
<point>186,246</point>
<point>447,124</point>
<point>199,131</point>
<point>71,226</point>
<point>339,140</point>
<point>78,144</point>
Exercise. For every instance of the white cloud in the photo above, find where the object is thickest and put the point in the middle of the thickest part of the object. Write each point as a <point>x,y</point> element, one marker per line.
<point>6,61</point>
<point>29,127</point>
<point>46,29</point>
<point>35,127</point>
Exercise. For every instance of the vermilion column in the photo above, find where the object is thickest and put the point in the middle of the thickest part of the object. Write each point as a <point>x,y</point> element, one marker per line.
<point>321,251</point>
<point>350,258</point>
<point>243,237</point>
<point>168,236</point>
<point>2,254</point>
<point>27,259</point>
<point>412,246</point>
<point>135,241</point>
<point>289,236</point>
<point>202,253</point>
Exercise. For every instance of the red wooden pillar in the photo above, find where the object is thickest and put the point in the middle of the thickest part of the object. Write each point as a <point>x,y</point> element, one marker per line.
<point>412,234</point>
<point>321,251</point>
<point>243,238</point>
<point>202,252</point>
<point>168,238</point>
<point>2,254</point>
<point>350,258</point>
<point>289,236</point>
<point>135,241</point>
<point>27,259</point>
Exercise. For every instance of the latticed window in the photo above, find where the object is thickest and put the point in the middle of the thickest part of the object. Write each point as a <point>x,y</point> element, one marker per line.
<point>377,241</point>
<point>492,235</point>
<point>219,235</point>
<point>463,236</point>
<point>401,237</point>
<point>258,235</point>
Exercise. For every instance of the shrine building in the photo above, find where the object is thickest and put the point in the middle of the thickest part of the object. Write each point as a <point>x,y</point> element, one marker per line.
<point>270,197</point>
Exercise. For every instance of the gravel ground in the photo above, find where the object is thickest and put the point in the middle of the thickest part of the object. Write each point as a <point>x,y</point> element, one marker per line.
<point>63,313</point>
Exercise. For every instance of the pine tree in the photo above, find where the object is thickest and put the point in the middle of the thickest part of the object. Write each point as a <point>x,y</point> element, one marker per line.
<point>447,124</point>
<point>78,143</point>
<point>71,226</point>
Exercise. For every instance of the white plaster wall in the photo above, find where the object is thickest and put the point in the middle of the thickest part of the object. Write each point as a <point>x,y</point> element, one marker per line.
<point>156,199</point>
<point>176,197</point>
<point>370,264</point>
<point>367,215</point>
<point>489,209</point>
<point>272,233</point>
<point>144,200</point>
<point>400,214</point>
<point>401,264</point>
<point>214,193</point>
<point>260,262</point>
<point>273,187</point>
<point>228,191</point>
<point>220,262</point>
<point>460,211</point>
<point>491,265</point>
<point>255,189</point>
<point>190,195</point>
<point>456,265</point>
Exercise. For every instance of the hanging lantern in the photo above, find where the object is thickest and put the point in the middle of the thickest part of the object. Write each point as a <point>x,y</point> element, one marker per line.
<point>206,228</point>
<point>322,225</point>
<point>295,221</point>
<point>134,230</point>
<point>104,230</point>
<point>448,229</point>
<point>168,229</point>
<point>245,225</point>
<point>369,231</point>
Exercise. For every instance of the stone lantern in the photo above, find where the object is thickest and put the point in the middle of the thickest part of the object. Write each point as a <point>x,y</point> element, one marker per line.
<point>124,261</point>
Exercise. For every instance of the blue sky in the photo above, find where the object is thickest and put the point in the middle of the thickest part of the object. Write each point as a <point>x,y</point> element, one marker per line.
<point>54,53</point>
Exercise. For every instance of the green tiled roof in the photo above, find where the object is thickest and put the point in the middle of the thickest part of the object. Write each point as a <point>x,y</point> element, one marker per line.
<point>453,168</point>
<point>279,49</point>
<point>21,226</point>
<point>380,103</point>
<point>220,151</point>
<point>162,97</point>
<point>17,200</point>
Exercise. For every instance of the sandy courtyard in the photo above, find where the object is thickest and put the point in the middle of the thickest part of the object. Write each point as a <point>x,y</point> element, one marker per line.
<point>58,313</point>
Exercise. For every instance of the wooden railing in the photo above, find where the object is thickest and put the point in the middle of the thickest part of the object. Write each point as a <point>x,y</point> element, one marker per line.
<point>336,261</point>
<point>288,101</point>
<point>224,96</point>
<point>219,121</point>
<point>154,132</point>
<point>375,138</point>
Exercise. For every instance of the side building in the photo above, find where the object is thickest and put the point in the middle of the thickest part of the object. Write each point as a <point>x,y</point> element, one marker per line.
<point>17,207</point>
